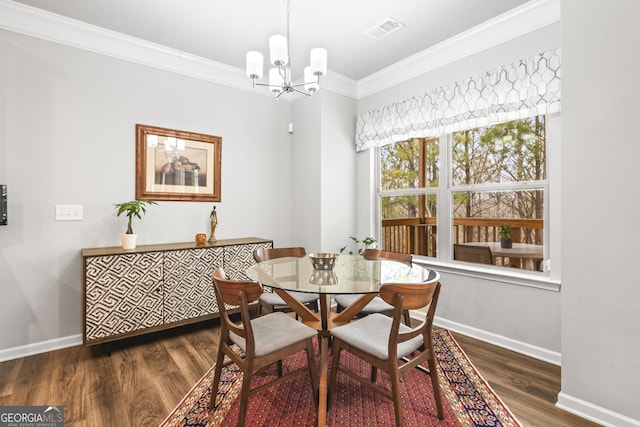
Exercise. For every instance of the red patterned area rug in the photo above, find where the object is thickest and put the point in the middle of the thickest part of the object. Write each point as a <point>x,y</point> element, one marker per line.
<point>468,400</point>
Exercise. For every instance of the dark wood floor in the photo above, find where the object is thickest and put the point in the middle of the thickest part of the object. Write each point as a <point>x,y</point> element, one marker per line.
<point>143,379</point>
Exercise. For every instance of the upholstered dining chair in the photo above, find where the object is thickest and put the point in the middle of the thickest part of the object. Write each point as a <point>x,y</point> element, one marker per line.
<point>377,305</point>
<point>471,253</point>
<point>261,341</point>
<point>383,341</point>
<point>270,301</point>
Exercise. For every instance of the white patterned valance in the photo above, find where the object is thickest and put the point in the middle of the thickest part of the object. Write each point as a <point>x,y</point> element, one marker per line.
<point>524,89</point>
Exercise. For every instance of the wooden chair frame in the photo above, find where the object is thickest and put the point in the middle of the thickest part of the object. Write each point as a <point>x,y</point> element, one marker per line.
<point>241,293</point>
<point>265,254</point>
<point>403,297</point>
<point>377,254</point>
<point>387,255</point>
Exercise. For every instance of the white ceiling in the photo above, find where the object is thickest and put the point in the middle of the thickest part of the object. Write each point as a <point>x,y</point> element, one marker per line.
<point>224,30</point>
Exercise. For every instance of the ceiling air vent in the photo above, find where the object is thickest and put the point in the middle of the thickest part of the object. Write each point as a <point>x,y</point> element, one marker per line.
<point>383,28</point>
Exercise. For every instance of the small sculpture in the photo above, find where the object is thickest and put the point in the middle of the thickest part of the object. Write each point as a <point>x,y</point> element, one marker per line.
<point>214,222</point>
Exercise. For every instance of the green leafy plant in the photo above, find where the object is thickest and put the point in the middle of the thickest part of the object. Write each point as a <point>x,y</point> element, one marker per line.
<point>133,208</point>
<point>358,245</point>
<point>505,231</point>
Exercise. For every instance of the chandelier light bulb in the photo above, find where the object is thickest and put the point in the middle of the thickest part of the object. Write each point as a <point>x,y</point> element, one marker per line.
<point>170,143</point>
<point>318,59</point>
<point>310,81</point>
<point>152,141</point>
<point>255,62</point>
<point>278,50</point>
<point>275,80</point>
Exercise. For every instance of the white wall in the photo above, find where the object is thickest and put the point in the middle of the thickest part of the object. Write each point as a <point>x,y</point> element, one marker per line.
<point>338,171</point>
<point>307,167</point>
<point>324,171</point>
<point>600,294</point>
<point>67,136</point>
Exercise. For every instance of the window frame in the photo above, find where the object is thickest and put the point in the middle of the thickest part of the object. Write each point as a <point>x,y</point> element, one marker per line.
<point>547,279</point>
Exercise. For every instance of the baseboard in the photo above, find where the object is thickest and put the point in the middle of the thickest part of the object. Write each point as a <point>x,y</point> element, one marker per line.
<point>594,413</point>
<point>40,347</point>
<point>508,343</point>
<point>566,402</point>
<point>501,341</point>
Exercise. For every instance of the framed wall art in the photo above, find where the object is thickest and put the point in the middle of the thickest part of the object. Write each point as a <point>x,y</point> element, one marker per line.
<point>177,165</point>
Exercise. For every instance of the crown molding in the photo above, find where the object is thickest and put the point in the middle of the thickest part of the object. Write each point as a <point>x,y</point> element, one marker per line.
<point>341,84</point>
<point>517,22</point>
<point>44,25</point>
<point>34,22</point>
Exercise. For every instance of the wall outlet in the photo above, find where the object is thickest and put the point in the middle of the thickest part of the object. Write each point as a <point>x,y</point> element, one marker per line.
<point>68,212</point>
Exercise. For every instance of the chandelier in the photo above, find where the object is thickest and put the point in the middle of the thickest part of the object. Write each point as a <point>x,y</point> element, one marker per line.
<point>280,75</point>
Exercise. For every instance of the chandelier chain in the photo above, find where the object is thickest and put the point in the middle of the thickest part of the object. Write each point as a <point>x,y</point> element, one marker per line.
<point>287,4</point>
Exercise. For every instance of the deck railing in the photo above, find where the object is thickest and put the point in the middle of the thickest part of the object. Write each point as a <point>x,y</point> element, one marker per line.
<point>418,235</point>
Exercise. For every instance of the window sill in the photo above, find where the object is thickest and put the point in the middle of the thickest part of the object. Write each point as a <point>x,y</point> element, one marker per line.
<point>512,276</point>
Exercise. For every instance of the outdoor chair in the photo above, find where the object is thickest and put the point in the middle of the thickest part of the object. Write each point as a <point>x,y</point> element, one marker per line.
<point>470,253</point>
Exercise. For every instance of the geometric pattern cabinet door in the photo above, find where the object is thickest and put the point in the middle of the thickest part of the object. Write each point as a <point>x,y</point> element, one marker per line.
<point>188,286</point>
<point>238,258</point>
<point>156,287</point>
<point>123,293</point>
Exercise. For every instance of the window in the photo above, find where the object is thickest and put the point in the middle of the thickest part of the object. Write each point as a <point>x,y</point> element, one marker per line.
<point>409,182</point>
<point>493,176</point>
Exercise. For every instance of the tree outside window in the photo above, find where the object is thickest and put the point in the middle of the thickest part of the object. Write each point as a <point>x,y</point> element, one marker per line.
<point>497,176</point>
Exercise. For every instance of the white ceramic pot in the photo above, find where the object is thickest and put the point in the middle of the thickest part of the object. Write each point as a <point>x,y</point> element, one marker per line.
<point>129,241</point>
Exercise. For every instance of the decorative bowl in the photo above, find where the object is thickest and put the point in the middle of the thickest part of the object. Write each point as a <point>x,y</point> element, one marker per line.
<point>323,260</point>
<point>323,278</point>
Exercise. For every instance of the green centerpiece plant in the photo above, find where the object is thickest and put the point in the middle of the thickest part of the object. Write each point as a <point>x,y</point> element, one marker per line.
<point>133,208</point>
<point>357,246</point>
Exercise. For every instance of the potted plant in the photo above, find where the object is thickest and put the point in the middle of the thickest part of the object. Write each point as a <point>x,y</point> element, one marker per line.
<point>133,208</point>
<point>357,247</point>
<point>360,245</point>
<point>505,232</point>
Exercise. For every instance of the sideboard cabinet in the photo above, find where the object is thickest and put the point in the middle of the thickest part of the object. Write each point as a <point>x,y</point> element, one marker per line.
<point>156,287</point>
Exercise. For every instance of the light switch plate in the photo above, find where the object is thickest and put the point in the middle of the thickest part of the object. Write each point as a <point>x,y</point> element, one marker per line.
<point>68,212</point>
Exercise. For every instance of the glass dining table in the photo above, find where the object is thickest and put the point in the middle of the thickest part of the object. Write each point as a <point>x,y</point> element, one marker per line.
<point>352,274</point>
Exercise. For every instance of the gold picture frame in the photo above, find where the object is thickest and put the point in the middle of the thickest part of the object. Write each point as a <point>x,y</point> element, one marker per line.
<point>177,165</point>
